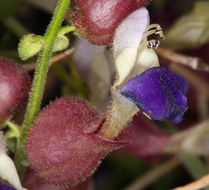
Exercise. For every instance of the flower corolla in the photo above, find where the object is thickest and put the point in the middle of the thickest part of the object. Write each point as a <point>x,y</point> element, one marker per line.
<point>132,50</point>
<point>158,92</point>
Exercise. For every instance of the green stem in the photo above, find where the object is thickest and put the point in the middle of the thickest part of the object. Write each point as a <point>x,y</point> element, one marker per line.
<point>194,165</point>
<point>39,82</point>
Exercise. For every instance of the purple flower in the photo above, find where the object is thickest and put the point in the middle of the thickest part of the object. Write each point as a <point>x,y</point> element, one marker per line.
<point>5,187</point>
<point>158,92</point>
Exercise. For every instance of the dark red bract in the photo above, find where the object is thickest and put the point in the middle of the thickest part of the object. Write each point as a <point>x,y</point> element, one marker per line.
<point>14,87</point>
<point>96,20</point>
<point>32,182</point>
<point>62,145</point>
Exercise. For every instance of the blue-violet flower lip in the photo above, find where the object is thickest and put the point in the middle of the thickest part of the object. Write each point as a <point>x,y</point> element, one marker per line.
<point>158,92</point>
<point>5,187</point>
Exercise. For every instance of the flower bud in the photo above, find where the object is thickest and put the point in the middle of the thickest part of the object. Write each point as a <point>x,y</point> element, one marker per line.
<point>97,20</point>
<point>62,145</point>
<point>14,87</point>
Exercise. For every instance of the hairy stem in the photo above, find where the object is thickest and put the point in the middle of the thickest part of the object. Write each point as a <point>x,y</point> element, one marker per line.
<point>39,82</point>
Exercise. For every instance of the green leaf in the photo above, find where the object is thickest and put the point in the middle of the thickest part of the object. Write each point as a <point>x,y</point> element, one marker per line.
<point>30,45</point>
<point>61,43</point>
<point>191,30</point>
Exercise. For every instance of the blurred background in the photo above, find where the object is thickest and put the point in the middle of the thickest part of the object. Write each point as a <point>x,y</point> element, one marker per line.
<point>185,51</point>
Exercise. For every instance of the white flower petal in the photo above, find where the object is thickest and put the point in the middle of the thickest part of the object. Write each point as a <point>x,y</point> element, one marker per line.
<point>124,63</point>
<point>99,81</point>
<point>129,33</point>
<point>135,63</point>
<point>84,54</point>
<point>95,65</point>
<point>8,172</point>
<point>126,41</point>
<point>146,58</point>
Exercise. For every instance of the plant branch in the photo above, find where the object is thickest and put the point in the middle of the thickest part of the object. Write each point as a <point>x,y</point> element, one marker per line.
<point>192,62</point>
<point>54,59</point>
<point>195,185</point>
<point>194,80</point>
<point>154,174</point>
